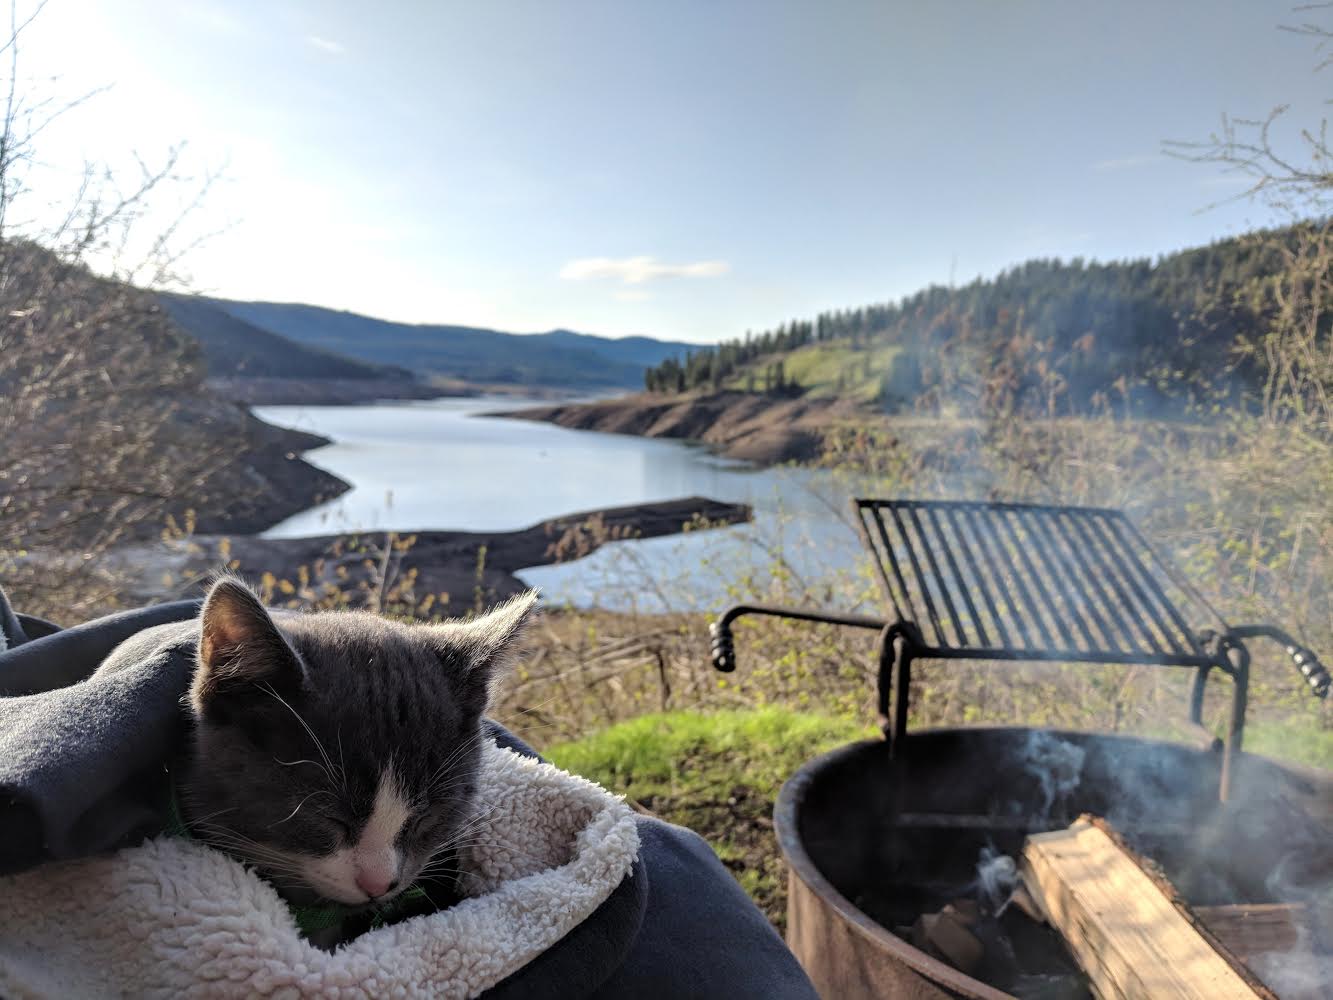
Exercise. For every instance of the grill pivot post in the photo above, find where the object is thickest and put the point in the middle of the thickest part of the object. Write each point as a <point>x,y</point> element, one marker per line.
<point>898,644</point>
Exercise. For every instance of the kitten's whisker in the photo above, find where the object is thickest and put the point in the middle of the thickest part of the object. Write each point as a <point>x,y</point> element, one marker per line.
<point>444,789</point>
<point>465,747</point>
<point>251,853</point>
<point>532,729</point>
<point>469,743</point>
<point>537,863</point>
<point>472,827</point>
<point>522,731</point>
<point>482,808</point>
<point>422,890</point>
<point>456,837</point>
<point>251,849</point>
<point>529,710</point>
<point>454,792</point>
<point>318,791</point>
<point>496,842</point>
<point>293,763</point>
<point>271,866</point>
<point>467,827</point>
<point>457,843</point>
<point>190,823</point>
<point>328,764</point>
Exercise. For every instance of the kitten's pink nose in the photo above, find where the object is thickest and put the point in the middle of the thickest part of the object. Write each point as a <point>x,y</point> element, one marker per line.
<point>374,884</point>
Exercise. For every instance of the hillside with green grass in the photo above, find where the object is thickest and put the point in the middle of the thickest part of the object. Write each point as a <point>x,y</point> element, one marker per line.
<point>830,370</point>
<point>1057,335</point>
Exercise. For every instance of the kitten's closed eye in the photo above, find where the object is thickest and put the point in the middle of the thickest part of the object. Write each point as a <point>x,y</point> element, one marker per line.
<point>342,826</point>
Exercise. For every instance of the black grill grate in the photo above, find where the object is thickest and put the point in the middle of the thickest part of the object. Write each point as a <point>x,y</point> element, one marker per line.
<point>1065,583</point>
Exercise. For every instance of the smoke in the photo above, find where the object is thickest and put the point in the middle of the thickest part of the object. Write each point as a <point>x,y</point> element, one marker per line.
<point>1296,973</point>
<point>997,875</point>
<point>1056,764</point>
<point>1302,876</point>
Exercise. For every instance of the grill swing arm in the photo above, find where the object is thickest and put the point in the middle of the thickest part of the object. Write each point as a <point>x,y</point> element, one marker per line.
<point>723,644</point>
<point>901,642</point>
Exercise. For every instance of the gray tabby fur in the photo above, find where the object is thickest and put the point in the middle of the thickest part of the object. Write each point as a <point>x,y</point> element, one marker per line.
<point>299,718</point>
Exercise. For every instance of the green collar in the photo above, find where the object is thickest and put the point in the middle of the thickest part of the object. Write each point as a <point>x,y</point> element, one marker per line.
<point>315,916</point>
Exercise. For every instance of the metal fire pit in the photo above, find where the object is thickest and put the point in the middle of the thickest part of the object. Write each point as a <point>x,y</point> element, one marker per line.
<point>871,841</point>
<point>881,831</point>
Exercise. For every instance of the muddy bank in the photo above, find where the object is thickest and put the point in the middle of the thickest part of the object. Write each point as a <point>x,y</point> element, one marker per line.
<point>450,562</point>
<point>267,480</point>
<point>760,429</point>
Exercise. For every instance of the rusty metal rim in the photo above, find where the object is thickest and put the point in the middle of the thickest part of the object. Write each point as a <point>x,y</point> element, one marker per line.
<point>789,803</point>
<point>792,796</point>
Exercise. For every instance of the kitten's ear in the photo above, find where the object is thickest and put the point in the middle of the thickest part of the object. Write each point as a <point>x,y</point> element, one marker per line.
<point>486,647</point>
<point>240,650</point>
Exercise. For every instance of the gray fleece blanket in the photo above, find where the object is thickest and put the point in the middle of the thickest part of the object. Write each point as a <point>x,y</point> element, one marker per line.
<point>83,772</point>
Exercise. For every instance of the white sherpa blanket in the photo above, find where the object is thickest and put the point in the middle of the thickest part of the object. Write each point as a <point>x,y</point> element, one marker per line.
<point>175,918</point>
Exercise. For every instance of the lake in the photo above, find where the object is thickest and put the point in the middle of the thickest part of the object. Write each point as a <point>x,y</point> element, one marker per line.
<point>444,465</point>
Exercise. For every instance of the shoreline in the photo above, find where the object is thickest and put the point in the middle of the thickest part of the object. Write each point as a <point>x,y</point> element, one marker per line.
<point>763,430</point>
<point>273,391</point>
<point>270,391</point>
<point>463,564</point>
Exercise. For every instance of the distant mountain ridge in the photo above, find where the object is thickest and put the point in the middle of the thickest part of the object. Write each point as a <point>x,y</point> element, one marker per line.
<point>233,348</point>
<point>557,359</point>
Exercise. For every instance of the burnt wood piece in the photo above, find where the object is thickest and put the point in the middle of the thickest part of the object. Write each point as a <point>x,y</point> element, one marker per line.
<point>1018,824</point>
<point>1248,930</point>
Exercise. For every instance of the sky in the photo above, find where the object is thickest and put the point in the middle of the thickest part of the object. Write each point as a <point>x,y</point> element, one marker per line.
<point>686,170</point>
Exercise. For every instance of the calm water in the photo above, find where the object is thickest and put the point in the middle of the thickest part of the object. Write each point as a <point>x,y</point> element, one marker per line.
<point>442,464</point>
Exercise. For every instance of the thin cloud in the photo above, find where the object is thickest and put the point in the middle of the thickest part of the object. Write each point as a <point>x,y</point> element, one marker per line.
<point>326,45</point>
<point>214,17</point>
<point>1127,162</point>
<point>638,270</point>
<point>1234,179</point>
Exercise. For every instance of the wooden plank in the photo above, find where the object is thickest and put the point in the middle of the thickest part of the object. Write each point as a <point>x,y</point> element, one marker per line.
<point>1126,933</point>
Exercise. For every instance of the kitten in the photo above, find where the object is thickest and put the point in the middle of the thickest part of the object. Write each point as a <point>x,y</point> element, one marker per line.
<point>338,752</point>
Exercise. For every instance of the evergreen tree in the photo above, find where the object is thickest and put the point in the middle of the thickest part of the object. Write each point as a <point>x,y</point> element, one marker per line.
<point>1191,312</point>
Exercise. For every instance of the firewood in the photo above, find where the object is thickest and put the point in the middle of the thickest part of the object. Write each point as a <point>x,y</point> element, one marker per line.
<point>1248,930</point>
<point>1127,933</point>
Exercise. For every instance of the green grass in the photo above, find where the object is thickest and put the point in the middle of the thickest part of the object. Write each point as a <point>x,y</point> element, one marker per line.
<point>1287,741</point>
<point>1292,740</point>
<point>717,774</point>
<point>817,368</point>
<point>659,754</point>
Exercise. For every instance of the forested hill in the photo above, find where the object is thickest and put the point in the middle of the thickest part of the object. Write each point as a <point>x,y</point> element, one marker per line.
<point>557,359</point>
<point>1084,329</point>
